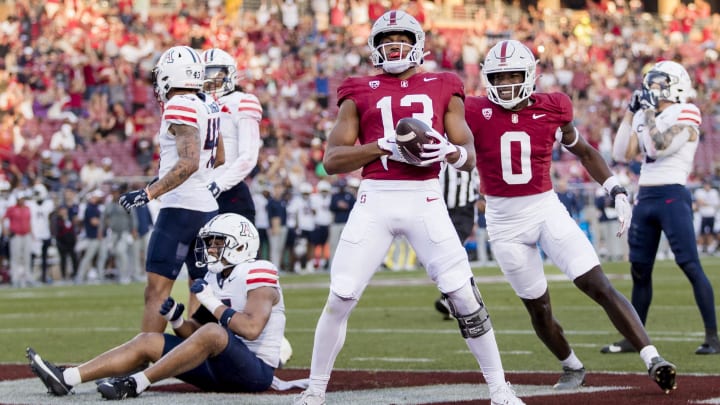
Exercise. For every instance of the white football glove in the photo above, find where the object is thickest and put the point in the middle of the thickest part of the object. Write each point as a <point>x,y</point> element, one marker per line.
<point>436,152</point>
<point>624,212</point>
<point>388,144</point>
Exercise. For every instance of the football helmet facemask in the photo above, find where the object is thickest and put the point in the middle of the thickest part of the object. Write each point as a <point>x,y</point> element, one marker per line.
<point>225,241</point>
<point>509,56</point>
<point>221,74</point>
<point>409,55</point>
<point>180,67</point>
<point>674,81</point>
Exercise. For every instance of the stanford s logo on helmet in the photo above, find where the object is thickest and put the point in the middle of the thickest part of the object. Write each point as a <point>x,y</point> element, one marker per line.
<point>396,21</point>
<point>509,56</point>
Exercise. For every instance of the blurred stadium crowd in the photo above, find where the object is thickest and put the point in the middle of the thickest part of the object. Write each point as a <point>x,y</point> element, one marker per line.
<point>78,114</point>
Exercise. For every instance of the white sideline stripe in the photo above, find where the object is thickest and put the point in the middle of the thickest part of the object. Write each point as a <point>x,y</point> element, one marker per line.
<point>715,400</point>
<point>32,391</point>
<point>395,359</point>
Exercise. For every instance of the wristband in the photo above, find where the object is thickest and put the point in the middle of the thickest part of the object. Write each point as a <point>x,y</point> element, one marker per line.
<point>211,303</point>
<point>462,159</point>
<point>617,190</point>
<point>176,324</point>
<point>226,316</point>
<point>610,183</point>
<point>573,143</point>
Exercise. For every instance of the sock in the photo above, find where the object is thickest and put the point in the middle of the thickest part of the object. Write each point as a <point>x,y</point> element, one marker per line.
<point>142,381</point>
<point>71,376</point>
<point>484,348</point>
<point>648,353</point>
<point>572,361</point>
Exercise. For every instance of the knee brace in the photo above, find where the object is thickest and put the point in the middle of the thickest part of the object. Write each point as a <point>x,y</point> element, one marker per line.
<point>474,323</point>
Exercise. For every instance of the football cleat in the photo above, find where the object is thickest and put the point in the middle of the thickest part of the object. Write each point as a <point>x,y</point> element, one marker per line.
<point>663,372</point>
<point>441,306</point>
<point>118,388</point>
<point>570,379</point>
<point>711,346</point>
<point>622,346</point>
<point>505,395</point>
<point>50,374</point>
<point>309,398</point>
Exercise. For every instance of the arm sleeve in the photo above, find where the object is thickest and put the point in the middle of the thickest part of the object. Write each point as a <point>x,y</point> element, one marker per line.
<point>248,150</point>
<point>622,140</point>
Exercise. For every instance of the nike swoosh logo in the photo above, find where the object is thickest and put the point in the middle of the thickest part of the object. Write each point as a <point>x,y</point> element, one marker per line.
<point>429,79</point>
<point>431,199</point>
<point>536,116</point>
<point>669,200</point>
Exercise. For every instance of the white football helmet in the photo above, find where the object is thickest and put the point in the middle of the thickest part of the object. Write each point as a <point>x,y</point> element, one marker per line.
<point>674,81</point>
<point>240,242</point>
<point>509,56</point>
<point>221,74</point>
<point>396,21</point>
<point>180,67</point>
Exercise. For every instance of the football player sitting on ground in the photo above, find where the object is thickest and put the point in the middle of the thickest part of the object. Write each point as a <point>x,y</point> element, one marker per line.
<point>515,129</point>
<point>230,344</point>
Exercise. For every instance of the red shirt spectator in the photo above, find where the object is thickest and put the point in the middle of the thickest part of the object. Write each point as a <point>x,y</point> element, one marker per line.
<point>18,218</point>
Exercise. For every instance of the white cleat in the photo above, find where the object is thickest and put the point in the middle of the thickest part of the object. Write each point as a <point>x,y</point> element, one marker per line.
<point>505,395</point>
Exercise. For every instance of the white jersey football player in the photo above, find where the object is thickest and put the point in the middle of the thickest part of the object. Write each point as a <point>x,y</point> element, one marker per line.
<point>663,126</point>
<point>232,343</point>
<point>188,139</point>
<point>396,198</point>
<point>240,114</point>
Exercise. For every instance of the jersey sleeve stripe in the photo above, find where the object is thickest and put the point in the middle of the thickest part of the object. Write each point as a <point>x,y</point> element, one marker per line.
<point>181,108</point>
<point>169,117</point>
<point>260,280</point>
<point>264,271</point>
<point>689,119</point>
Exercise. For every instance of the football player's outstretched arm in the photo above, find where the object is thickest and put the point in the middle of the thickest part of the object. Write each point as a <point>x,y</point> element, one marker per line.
<point>590,158</point>
<point>342,155</point>
<point>459,133</point>
<point>188,149</point>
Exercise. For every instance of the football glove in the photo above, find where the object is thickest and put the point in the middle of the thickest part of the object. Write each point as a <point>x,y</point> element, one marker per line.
<point>205,295</point>
<point>624,212</point>
<point>135,198</point>
<point>649,99</point>
<point>214,189</point>
<point>172,311</point>
<point>436,152</point>
<point>635,104</point>
<point>388,144</point>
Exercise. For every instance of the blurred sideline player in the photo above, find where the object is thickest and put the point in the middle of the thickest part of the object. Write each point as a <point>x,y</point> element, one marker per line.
<point>240,115</point>
<point>515,130</point>
<point>396,198</point>
<point>232,343</point>
<point>665,128</point>
<point>189,134</point>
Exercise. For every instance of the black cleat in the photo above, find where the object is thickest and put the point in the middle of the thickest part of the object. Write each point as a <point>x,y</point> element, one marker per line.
<point>711,346</point>
<point>663,372</point>
<point>622,346</point>
<point>442,306</point>
<point>50,374</point>
<point>118,388</point>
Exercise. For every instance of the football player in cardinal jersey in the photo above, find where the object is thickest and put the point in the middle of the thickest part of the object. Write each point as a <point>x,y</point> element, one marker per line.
<point>188,138</point>
<point>664,127</point>
<point>230,344</point>
<point>396,198</point>
<point>514,130</point>
<point>240,115</point>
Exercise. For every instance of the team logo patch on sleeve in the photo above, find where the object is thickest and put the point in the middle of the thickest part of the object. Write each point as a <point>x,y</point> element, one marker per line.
<point>262,277</point>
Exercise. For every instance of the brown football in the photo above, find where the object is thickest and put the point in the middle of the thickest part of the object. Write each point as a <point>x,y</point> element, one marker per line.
<point>410,135</point>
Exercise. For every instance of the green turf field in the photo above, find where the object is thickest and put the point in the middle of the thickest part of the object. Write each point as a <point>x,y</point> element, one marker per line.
<point>393,327</point>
